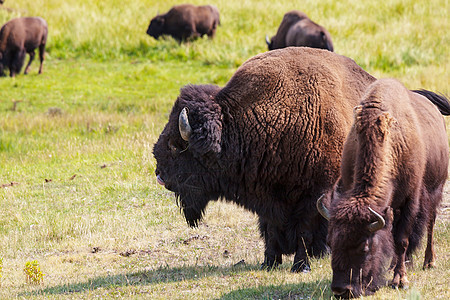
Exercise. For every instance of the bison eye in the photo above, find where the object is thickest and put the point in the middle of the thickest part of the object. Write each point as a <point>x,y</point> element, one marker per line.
<point>173,149</point>
<point>363,247</point>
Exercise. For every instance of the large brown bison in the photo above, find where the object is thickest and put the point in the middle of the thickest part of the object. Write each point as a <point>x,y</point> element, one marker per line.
<point>270,141</point>
<point>296,29</point>
<point>18,37</point>
<point>186,21</point>
<point>394,167</point>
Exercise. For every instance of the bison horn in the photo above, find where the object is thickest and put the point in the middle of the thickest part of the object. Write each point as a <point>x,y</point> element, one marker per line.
<point>183,124</point>
<point>267,40</point>
<point>378,224</point>
<point>322,209</point>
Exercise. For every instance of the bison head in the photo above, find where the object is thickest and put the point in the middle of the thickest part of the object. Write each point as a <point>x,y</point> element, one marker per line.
<point>361,245</point>
<point>156,27</point>
<point>325,41</point>
<point>187,150</point>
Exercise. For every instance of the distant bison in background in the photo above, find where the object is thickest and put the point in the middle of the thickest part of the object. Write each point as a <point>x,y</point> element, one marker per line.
<point>296,29</point>
<point>185,21</point>
<point>394,167</point>
<point>270,141</point>
<point>18,37</point>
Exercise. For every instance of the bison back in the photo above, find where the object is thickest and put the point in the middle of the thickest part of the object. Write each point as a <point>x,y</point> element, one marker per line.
<point>306,33</point>
<point>27,32</point>
<point>294,107</point>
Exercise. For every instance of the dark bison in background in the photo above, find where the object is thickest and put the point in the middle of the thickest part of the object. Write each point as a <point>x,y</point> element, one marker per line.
<point>296,29</point>
<point>186,21</point>
<point>18,37</point>
<point>270,141</point>
<point>394,168</point>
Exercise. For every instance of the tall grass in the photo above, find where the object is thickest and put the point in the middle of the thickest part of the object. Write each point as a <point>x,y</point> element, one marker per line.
<point>76,144</point>
<point>388,36</point>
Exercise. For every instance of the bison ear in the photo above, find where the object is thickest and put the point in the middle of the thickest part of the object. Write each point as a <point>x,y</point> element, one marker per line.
<point>206,134</point>
<point>388,215</point>
<point>357,114</point>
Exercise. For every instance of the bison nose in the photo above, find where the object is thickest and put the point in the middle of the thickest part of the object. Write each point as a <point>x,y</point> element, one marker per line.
<point>341,291</point>
<point>160,180</point>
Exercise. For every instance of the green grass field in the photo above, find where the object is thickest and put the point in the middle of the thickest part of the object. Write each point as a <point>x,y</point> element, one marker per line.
<point>76,143</point>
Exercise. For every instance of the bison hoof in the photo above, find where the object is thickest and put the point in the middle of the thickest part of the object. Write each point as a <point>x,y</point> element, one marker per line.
<point>300,268</point>
<point>402,283</point>
<point>429,265</point>
<point>269,266</point>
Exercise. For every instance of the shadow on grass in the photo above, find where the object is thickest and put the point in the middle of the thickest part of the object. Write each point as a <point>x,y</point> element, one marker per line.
<point>160,275</point>
<point>303,290</point>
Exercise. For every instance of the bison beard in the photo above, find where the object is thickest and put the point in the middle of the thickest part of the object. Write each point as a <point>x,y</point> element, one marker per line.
<point>269,141</point>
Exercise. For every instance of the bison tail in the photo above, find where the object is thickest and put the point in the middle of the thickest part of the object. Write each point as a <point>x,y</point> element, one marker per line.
<point>440,101</point>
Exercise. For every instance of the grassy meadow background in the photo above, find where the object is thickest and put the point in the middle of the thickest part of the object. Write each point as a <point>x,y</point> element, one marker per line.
<point>77,172</point>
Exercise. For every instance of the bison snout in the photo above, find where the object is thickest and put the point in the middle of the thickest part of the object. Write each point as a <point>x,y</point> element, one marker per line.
<point>160,180</point>
<point>344,292</point>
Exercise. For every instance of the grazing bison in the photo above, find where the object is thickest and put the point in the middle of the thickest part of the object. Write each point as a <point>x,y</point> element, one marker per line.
<point>296,29</point>
<point>394,167</point>
<point>186,21</point>
<point>270,141</point>
<point>18,37</point>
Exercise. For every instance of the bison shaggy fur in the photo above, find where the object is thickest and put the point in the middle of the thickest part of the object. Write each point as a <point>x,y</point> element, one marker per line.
<point>394,168</point>
<point>186,21</point>
<point>270,141</point>
<point>18,37</point>
<point>296,29</point>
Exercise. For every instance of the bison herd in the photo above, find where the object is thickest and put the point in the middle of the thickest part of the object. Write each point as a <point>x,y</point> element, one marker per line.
<point>329,158</point>
<point>299,132</point>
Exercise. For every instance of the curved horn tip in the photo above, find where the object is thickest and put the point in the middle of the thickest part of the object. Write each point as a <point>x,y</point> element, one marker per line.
<point>183,124</point>
<point>322,209</point>
<point>378,224</point>
<point>267,40</point>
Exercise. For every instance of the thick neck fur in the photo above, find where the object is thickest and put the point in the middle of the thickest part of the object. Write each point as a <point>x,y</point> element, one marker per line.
<point>373,160</point>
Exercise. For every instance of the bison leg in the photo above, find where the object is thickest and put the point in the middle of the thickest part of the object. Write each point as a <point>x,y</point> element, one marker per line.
<point>400,279</point>
<point>429,252</point>
<point>271,261</point>
<point>17,60</point>
<point>41,56</point>
<point>301,258</point>
<point>27,68</point>
<point>272,254</point>
<point>401,241</point>
<point>212,32</point>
